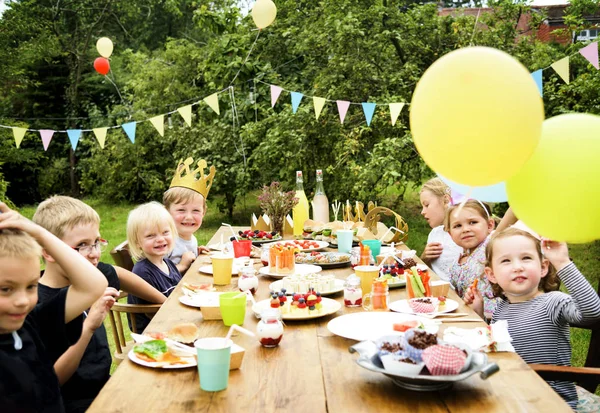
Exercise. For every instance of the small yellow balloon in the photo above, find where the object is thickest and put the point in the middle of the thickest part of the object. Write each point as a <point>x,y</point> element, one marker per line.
<point>557,192</point>
<point>476,116</point>
<point>264,13</point>
<point>104,46</point>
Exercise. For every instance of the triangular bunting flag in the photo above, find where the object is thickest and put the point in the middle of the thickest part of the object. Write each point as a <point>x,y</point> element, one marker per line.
<point>318,103</point>
<point>275,92</point>
<point>159,124</point>
<point>213,102</point>
<point>186,114</point>
<point>369,109</point>
<point>46,135</point>
<point>19,133</point>
<point>562,68</point>
<point>395,109</point>
<point>296,98</point>
<point>537,76</point>
<point>590,52</point>
<point>129,129</point>
<point>100,135</point>
<point>343,106</point>
<point>74,135</point>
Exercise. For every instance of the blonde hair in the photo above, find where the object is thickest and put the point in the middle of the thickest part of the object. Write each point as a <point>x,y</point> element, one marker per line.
<point>437,187</point>
<point>150,215</point>
<point>179,195</point>
<point>481,208</point>
<point>18,244</point>
<point>59,214</point>
<point>550,282</point>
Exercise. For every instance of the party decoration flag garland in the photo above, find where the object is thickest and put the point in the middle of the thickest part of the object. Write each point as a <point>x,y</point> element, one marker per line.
<point>129,129</point>
<point>318,103</point>
<point>100,135</point>
<point>213,102</point>
<point>343,106</point>
<point>74,135</point>
<point>590,52</point>
<point>275,92</point>
<point>537,77</point>
<point>18,134</point>
<point>561,67</point>
<point>159,124</point>
<point>186,114</point>
<point>46,135</point>
<point>296,98</point>
<point>369,109</point>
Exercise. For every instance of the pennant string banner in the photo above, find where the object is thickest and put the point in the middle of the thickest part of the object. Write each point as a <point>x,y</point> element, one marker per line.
<point>561,67</point>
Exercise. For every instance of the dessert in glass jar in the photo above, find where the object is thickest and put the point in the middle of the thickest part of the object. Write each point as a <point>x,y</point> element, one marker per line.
<point>269,329</point>
<point>248,280</point>
<point>352,291</point>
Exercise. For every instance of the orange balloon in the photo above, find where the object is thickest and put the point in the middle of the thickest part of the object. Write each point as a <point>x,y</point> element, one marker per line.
<point>102,65</point>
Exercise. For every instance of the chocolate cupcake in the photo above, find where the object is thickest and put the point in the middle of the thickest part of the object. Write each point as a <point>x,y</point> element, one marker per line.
<point>415,342</point>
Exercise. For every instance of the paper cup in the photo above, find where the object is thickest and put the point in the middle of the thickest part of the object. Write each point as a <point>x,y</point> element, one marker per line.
<point>366,273</point>
<point>214,354</point>
<point>374,245</point>
<point>222,268</point>
<point>233,308</point>
<point>344,240</point>
<point>242,248</point>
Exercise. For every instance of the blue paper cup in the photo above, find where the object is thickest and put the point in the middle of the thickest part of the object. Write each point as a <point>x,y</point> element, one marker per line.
<point>374,245</point>
<point>214,354</point>
<point>344,240</point>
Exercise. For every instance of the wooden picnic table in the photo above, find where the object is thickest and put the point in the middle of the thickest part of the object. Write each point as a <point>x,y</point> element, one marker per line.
<point>311,370</point>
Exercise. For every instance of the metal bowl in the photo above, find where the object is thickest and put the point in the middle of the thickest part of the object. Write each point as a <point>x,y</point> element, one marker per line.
<point>369,359</point>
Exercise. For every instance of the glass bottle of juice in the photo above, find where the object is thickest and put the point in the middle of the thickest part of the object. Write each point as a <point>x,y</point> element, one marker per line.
<point>320,201</point>
<point>300,211</point>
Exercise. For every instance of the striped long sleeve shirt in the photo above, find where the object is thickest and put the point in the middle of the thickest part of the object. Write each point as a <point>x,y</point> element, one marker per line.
<point>540,327</point>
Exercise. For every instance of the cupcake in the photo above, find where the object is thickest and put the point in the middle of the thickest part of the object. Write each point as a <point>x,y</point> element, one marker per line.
<point>415,342</point>
<point>445,360</point>
<point>423,305</point>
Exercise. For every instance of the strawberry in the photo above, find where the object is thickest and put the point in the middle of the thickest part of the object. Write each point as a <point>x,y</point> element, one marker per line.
<point>269,236</point>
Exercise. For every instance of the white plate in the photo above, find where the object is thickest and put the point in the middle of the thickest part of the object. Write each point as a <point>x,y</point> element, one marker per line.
<point>300,269</point>
<point>401,306</point>
<point>329,307</point>
<point>312,260</point>
<point>339,286</point>
<point>208,269</point>
<point>322,245</point>
<point>372,325</point>
<point>189,362</point>
<point>207,299</point>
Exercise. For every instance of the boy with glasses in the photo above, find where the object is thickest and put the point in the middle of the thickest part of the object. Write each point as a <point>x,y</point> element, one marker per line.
<point>84,366</point>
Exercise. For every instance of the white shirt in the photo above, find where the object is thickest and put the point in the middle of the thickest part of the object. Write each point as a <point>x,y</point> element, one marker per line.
<point>181,246</point>
<point>450,253</point>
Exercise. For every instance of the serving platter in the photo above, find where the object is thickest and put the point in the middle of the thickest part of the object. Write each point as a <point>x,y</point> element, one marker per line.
<point>324,259</point>
<point>369,359</point>
<point>401,306</point>
<point>329,307</point>
<point>299,269</point>
<point>372,325</point>
<point>320,245</point>
<point>339,287</point>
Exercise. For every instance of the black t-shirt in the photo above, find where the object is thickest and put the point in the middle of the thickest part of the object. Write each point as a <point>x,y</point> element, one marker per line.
<point>94,368</point>
<point>28,382</point>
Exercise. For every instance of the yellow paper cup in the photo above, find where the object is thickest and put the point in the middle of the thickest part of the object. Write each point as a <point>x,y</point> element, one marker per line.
<point>222,268</point>
<point>366,273</point>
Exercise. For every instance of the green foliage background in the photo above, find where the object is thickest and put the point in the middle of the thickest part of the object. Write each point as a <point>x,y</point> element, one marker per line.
<point>169,52</point>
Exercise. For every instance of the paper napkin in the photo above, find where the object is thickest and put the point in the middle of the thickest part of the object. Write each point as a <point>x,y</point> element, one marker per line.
<point>493,338</point>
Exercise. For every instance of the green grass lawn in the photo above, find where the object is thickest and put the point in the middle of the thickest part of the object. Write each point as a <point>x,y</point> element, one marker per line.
<point>114,218</point>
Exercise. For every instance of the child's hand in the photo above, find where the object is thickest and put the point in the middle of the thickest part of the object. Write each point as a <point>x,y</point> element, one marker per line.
<point>203,250</point>
<point>474,299</point>
<point>557,253</point>
<point>10,219</point>
<point>100,309</point>
<point>432,251</point>
<point>187,258</point>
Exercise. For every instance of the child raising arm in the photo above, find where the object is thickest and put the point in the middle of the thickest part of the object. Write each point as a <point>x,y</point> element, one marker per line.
<point>538,316</point>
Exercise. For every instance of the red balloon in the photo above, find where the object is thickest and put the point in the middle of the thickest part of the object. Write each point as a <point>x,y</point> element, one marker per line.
<point>102,66</point>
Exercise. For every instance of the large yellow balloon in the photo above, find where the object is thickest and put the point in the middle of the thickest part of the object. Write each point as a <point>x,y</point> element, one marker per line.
<point>264,13</point>
<point>104,46</point>
<point>557,192</point>
<point>476,116</point>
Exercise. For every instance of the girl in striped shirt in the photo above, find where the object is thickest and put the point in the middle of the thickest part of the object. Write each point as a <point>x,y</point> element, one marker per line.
<point>526,275</point>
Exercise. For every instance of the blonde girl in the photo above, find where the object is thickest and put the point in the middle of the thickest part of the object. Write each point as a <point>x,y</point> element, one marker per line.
<point>151,233</point>
<point>538,315</point>
<point>441,251</point>
<point>470,227</point>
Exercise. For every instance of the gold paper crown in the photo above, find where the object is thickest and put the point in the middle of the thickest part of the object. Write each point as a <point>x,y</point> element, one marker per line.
<point>185,178</point>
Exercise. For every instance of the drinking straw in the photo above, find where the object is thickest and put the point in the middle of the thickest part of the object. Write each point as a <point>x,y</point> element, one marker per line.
<point>389,229</point>
<point>232,231</point>
<point>240,329</point>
